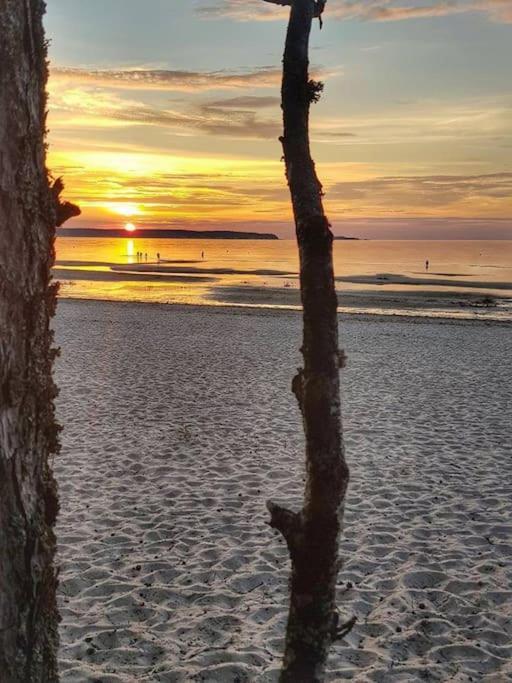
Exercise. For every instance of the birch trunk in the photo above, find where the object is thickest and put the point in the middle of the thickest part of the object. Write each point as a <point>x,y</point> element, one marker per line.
<point>312,535</point>
<point>28,431</point>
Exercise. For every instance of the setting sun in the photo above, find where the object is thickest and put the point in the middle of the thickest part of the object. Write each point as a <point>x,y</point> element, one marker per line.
<point>129,227</point>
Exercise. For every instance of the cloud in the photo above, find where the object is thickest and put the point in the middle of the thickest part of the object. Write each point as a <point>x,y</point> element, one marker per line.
<point>423,122</point>
<point>95,107</point>
<point>165,188</point>
<point>208,120</point>
<point>168,80</point>
<point>245,102</point>
<point>497,10</point>
<point>426,191</point>
<point>425,228</point>
<point>242,10</point>
<point>372,10</point>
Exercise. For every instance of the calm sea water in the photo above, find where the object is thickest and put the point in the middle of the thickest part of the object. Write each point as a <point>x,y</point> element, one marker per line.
<point>464,279</point>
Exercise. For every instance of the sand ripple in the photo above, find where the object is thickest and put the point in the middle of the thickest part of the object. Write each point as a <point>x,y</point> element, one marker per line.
<point>179,424</point>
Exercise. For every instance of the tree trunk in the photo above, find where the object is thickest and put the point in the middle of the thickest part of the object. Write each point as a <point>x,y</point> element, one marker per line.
<point>28,431</point>
<point>312,534</point>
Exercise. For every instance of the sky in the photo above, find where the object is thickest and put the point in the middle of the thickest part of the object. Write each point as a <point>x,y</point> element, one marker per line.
<point>165,113</point>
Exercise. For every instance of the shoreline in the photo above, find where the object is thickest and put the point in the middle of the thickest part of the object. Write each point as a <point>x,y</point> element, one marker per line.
<point>247,309</point>
<point>166,268</point>
<point>471,282</point>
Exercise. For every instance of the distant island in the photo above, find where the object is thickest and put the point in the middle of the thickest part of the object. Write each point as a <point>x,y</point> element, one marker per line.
<point>152,233</point>
<point>342,237</point>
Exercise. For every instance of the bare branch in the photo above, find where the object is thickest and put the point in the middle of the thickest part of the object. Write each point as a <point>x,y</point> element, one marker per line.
<point>343,630</point>
<point>312,534</point>
<point>285,521</point>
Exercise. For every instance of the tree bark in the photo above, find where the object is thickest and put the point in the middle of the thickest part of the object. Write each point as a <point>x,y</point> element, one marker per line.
<point>28,429</point>
<point>312,534</point>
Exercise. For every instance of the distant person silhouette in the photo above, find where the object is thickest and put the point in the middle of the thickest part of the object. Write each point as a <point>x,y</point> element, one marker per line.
<point>202,254</point>
<point>426,264</point>
<point>158,257</point>
<point>146,257</point>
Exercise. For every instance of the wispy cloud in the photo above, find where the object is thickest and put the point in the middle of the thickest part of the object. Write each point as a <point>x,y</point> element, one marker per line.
<point>207,120</point>
<point>497,10</point>
<point>169,80</point>
<point>241,10</point>
<point>235,117</point>
<point>166,188</point>
<point>245,102</point>
<point>424,121</point>
<point>425,191</point>
<point>372,10</point>
<point>425,227</point>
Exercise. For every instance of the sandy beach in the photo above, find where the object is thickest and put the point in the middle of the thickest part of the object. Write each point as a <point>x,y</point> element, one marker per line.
<point>179,424</point>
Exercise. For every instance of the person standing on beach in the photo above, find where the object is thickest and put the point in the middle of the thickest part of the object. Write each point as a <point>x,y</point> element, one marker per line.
<point>426,264</point>
<point>158,257</point>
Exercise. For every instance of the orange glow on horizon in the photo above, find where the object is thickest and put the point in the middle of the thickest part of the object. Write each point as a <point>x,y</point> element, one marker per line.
<point>123,208</point>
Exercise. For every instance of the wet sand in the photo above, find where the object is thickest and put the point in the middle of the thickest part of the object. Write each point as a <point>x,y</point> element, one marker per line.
<point>443,294</point>
<point>376,302</point>
<point>380,279</point>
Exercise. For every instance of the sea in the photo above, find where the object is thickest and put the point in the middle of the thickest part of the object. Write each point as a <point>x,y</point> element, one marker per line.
<point>462,280</point>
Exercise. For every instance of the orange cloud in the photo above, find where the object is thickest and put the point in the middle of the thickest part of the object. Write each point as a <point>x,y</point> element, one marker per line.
<point>373,10</point>
<point>169,80</point>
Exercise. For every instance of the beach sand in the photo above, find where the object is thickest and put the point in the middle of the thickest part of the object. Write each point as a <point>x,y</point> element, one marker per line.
<point>179,424</point>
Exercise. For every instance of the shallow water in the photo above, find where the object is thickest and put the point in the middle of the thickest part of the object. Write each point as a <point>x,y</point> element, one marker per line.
<point>465,279</point>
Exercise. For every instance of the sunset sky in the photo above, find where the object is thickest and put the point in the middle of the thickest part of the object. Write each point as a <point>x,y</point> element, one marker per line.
<point>165,113</point>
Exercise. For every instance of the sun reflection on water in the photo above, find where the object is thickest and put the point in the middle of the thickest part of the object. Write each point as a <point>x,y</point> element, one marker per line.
<point>130,250</point>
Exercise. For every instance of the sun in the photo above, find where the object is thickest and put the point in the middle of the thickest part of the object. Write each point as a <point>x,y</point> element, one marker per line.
<point>129,227</point>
